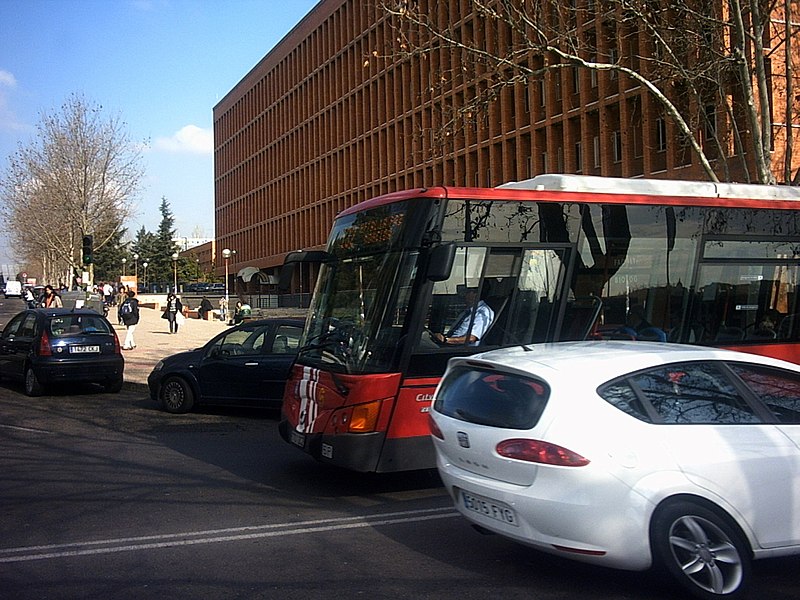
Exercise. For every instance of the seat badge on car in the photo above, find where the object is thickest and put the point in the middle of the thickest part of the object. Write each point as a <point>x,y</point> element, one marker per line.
<point>463,439</point>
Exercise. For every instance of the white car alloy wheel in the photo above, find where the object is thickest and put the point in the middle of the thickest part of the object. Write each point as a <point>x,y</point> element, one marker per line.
<point>701,550</point>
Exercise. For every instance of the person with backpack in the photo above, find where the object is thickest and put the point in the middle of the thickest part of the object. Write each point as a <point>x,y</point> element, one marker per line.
<point>129,312</point>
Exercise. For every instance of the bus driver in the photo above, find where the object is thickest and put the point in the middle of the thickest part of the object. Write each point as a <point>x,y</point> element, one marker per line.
<point>482,319</point>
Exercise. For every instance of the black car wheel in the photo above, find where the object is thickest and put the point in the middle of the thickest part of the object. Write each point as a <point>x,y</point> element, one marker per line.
<point>32,385</point>
<point>176,395</point>
<point>701,550</point>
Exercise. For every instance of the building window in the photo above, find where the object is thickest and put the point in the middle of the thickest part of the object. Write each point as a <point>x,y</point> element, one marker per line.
<point>544,162</point>
<point>596,151</point>
<point>661,135</point>
<point>578,157</point>
<point>710,125</point>
<point>616,146</point>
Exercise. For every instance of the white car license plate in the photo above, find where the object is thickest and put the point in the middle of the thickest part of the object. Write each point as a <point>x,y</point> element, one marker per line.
<point>83,349</point>
<point>297,438</point>
<point>487,507</point>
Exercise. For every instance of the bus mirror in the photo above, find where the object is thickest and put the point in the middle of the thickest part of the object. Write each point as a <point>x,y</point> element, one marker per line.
<point>293,259</point>
<point>441,262</point>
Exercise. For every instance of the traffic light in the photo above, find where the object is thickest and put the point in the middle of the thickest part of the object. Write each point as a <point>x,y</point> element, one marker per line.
<point>87,249</point>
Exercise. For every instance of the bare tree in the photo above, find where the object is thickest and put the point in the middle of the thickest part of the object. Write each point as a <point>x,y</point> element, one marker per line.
<point>77,177</point>
<point>708,65</point>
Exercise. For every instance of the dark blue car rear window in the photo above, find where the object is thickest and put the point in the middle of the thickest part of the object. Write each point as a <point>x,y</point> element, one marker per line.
<point>72,325</point>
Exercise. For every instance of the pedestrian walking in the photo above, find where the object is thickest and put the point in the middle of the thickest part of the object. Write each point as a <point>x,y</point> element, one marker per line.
<point>50,298</point>
<point>223,308</point>
<point>122,294</point>
<point>129,312</point>
<point>29,299</point>
<point>173,312</point>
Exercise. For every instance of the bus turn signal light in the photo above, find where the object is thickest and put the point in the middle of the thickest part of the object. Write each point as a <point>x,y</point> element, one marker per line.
<point>365,417</point>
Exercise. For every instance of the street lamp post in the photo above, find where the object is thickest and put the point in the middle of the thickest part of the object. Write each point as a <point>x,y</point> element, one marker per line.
<point>175,272</point>
<point>226,254</point>
<point>124,264</point>
<point>144,279</point>
<point>136,269</point>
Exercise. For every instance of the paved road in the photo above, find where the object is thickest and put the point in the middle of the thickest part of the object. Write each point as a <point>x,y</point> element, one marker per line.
<point>105,496</point>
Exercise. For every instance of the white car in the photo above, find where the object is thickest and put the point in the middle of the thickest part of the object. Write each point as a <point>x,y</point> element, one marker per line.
<point>13,289</point>
<point>628,455</point>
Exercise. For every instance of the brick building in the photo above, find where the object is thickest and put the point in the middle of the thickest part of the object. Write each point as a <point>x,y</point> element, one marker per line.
<point>325,121</point>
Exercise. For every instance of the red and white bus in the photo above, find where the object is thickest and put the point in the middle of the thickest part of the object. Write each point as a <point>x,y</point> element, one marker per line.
<point>557,257</point>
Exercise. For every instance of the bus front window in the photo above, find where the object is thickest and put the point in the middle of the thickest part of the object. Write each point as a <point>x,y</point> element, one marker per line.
<point>358,312</point>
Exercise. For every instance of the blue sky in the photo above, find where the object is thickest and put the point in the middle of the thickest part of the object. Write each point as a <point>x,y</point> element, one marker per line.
<point>160,65</point>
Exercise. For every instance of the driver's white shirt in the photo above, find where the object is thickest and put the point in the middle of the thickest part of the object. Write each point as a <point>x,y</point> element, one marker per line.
<point>484,316</point>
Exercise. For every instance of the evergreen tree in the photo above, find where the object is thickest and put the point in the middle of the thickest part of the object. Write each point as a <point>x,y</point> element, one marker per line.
<point>144,246</point>
<point>108,259</point>
<point>160,269</point>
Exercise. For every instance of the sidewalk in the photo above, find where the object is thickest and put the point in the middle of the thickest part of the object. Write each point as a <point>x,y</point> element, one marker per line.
<point>154,341</point>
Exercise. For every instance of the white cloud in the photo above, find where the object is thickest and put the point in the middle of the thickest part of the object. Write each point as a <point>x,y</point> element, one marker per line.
<point>9,122</point>
<point>191,139</point>
<point>7,79</point>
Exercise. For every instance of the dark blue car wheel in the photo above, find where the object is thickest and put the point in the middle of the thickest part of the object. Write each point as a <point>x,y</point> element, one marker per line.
<point>32,385</point>
<point>176,395</point>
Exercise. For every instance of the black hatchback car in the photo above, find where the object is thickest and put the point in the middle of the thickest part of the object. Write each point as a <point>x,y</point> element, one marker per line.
<point>247,365</point>
<point>46,346</point>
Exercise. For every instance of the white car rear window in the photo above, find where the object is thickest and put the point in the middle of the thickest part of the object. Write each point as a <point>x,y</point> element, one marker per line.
<point>492,398</point>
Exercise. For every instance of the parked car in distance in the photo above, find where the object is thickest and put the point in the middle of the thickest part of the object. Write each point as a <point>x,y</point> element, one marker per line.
<point>13,289</point>
<point>628,455</point>
<point>246,365</point>
<point>41,347</point>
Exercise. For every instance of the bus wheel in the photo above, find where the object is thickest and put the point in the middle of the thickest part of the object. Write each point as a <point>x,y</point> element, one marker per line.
<point>701,550</point>
<point>176,396</point>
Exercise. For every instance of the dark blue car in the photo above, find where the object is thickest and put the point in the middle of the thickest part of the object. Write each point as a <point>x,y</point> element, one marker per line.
<point>247,365</point>
<point>46,346</point>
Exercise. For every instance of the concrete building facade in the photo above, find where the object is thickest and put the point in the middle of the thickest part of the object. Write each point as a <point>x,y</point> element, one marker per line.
<point>328,119</point>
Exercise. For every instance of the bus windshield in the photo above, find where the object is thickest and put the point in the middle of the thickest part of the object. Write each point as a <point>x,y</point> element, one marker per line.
<point>361,299</point>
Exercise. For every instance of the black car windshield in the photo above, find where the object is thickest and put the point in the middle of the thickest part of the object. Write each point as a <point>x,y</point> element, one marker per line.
<point>72,325</point>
